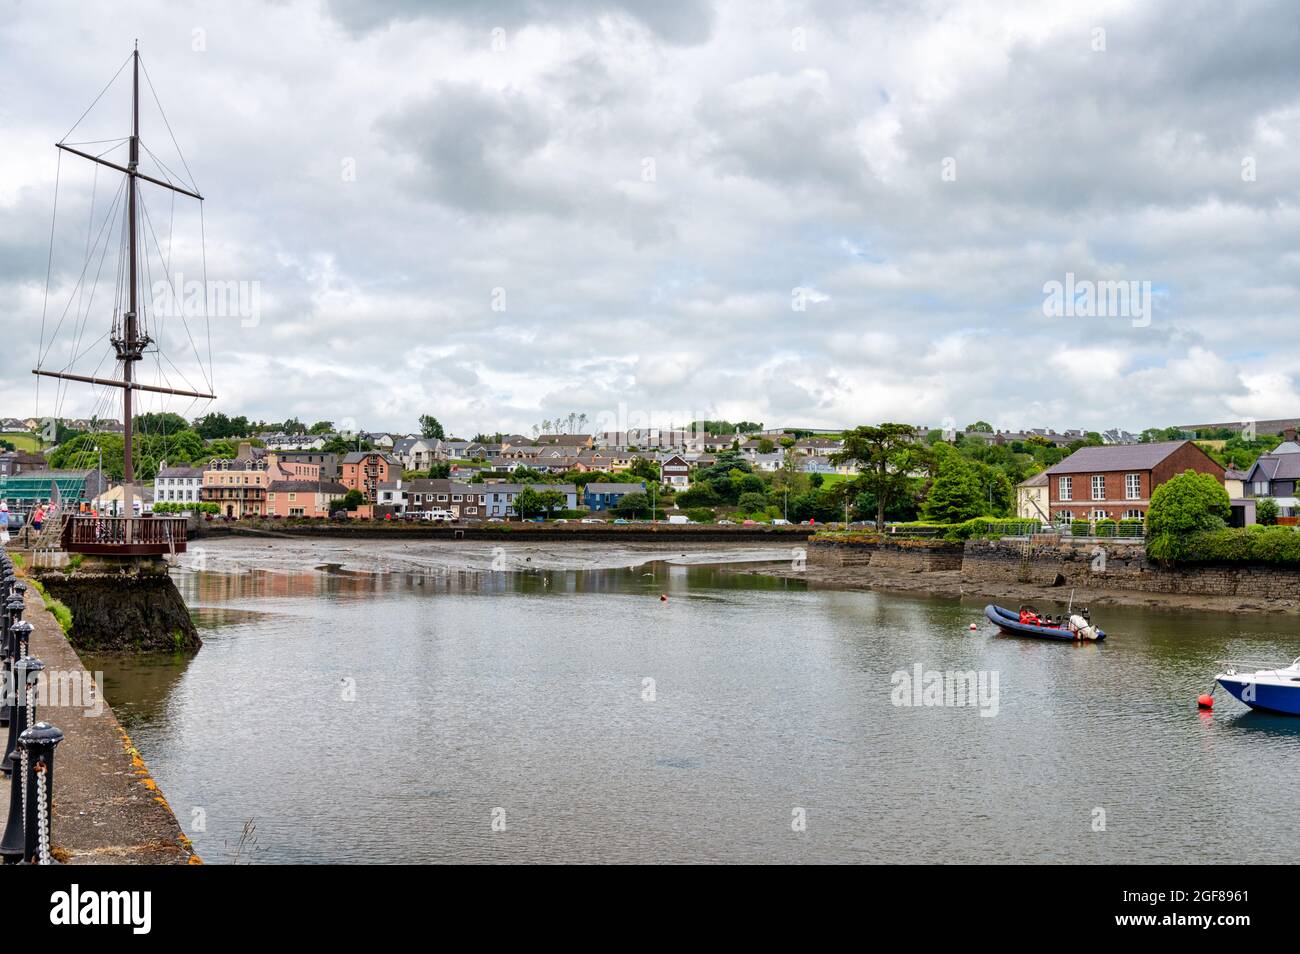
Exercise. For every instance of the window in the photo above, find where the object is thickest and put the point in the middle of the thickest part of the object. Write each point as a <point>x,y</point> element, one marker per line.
<point>1065,487</point>
<point>1134,515</point>
<point>1261,488</point>
<point>1099,487</point>
<point>1064,516</point>
<point>1132,486</point>
<point>1100,515</point>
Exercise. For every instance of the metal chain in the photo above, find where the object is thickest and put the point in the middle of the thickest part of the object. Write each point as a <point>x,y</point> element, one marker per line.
<point>42,816</point>
<point>23,783</point>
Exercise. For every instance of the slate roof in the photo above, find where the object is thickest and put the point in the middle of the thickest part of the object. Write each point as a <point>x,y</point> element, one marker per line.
<point>1096,460</point>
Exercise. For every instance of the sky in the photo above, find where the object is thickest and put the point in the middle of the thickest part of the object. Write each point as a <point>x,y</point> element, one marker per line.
<point>804,214</point>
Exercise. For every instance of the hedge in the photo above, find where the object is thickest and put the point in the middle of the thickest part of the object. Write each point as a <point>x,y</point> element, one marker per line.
<point>1256,544</point>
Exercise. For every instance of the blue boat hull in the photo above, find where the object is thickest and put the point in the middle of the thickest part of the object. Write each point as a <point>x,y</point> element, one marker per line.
<point>1266,697</point>
<point>1009,623</point>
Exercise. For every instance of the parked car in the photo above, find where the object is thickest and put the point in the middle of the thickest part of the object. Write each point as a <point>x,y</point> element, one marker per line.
<point>726,523</point>
<point>591,520</point>
<point>495,520</point>
<point>749,523</point>
<point>680,518</point>
<point>621,520</point>
<point>780,522</point>
<point>438,516</point>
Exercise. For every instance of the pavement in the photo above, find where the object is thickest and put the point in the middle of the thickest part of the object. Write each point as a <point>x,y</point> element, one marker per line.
<point>107,807</point>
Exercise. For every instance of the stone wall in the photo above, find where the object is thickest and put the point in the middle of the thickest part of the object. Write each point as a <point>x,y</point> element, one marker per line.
<point>918,556</point>
<point>1119,566</point>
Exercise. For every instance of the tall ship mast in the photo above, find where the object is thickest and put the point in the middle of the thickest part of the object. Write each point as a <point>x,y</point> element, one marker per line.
<point>128,338</point>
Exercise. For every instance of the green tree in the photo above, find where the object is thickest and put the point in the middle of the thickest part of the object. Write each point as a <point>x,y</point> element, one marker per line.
<point>1266,511</point>
<point>632,506</point>
<point>752,503</point>
<point>956,494</point>
<point>430,428</point>
<point>552,500</point>
<point>352,499</point>
<point>888,456</point>
<point>528,503</point>
<point>321,427</point>
<point>439,470</point>
<point>1184,505</point>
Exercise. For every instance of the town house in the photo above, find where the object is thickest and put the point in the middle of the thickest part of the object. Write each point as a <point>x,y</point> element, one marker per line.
<point>1115,482</point>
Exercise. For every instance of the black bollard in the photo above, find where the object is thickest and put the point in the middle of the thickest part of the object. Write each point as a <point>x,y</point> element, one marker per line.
<point>28,669</point>
<point>6,651</point>
<point>18,716</point>
<point>37,745</point>
<point>15,697</point>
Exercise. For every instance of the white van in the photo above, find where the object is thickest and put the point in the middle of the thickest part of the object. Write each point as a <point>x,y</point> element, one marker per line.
<point>438,516</point>
<point>679,518</point>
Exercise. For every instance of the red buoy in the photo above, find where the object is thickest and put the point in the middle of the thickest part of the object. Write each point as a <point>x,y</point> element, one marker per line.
<point>1205,700</point>
<point>973,626</point>
<point>663,597</point>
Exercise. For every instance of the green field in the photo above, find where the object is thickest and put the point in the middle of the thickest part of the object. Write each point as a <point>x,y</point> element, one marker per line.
<point>22,441</point>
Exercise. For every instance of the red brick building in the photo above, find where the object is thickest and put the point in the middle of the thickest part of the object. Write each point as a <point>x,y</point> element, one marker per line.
<point>1115,482</point>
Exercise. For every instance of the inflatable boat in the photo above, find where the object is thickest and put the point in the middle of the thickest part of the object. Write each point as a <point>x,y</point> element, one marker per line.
<point>1027,622</point>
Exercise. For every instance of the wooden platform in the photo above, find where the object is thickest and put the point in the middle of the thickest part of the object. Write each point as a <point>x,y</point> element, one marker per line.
<point>124,536</point>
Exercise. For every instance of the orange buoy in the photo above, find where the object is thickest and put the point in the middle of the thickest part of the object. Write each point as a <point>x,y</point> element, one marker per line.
<point>663,597</point>
<point>973,626</point>
<point>1205,700</point>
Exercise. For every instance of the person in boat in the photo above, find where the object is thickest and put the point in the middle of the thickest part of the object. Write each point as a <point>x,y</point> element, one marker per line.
<point>1029,616</point>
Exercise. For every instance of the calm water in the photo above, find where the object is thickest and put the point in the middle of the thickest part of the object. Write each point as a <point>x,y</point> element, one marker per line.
<point>523,691</point>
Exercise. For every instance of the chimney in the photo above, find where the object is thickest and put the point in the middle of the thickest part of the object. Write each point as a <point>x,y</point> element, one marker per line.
<point>245,450</point>
<point>1289,434</point>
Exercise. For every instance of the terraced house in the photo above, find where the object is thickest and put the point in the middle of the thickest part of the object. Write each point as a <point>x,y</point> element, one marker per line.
<point>1115,482</point>
<point>366,470</point>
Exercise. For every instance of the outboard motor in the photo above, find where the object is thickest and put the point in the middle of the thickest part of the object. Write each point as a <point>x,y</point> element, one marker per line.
<point>1083,626</point>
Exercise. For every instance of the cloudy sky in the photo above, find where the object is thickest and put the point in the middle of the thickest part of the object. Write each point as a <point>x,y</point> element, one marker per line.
<point>815,214</point>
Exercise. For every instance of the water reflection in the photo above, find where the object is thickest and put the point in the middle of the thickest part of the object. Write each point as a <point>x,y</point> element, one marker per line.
<point>405,705</point>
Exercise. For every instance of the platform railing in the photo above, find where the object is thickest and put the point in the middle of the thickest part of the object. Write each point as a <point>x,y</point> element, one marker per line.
<point>127,536</point>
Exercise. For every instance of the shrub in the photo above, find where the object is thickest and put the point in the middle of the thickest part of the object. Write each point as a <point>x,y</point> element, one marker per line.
<point>1188,503</point>
<point>1104,528</point>
<point>1230,545</point>
<point>991,527</point>
<point>1266,511</point>
<point>700,514</point>
<point>1131,527</point>
<point>1080,528</point>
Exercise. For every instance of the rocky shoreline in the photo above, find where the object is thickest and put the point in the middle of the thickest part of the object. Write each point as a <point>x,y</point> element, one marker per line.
<point>950,584</point>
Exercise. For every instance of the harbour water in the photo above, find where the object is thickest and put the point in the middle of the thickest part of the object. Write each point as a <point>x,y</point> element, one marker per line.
<point>364,705</point>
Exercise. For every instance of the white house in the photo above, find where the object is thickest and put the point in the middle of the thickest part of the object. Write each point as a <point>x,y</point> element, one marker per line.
<point>177,484</point>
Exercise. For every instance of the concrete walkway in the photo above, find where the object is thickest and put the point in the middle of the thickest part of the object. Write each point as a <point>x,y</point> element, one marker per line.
<point>107,809</point>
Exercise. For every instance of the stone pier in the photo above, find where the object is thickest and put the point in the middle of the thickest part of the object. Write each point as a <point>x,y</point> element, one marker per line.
<point>107,808</point>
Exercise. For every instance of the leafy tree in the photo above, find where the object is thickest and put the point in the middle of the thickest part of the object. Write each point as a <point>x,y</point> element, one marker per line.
<point>1266,511</point>
<point>439,470</point>
<point>352,499</point>
<point>752,503</point>
<point>699,495</point>
<point>163,422</point>
<point>430,429</point>
<point>631,506</point>
<point>766,445</point>
<point>887,455</point>
<point>552,500</point>
<point>645,469</point>
<point>321,427</point>
<point>983,426</point>
<point>956,495</point>
<point>528,503</point>
<point>1182,506</point>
